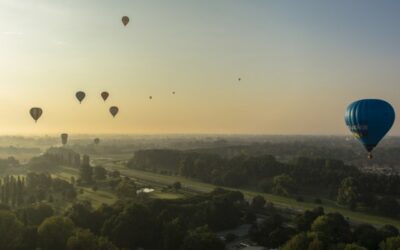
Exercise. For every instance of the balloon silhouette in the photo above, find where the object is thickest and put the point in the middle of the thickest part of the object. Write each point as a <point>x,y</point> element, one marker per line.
<point>36,113</point>
<point>104,95</point>
<point>64,138</point>
<point>80,95</point>
<point>114,110</point>
<point>125,20</point>
<point>369,120</point>
<point>150,97</point>
<point>96,141</point>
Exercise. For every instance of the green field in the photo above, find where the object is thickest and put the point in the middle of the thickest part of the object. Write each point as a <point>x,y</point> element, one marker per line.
<point>112,162</point>
<point>100,197</point>
<point>279,201</point>
<point>97,198</point>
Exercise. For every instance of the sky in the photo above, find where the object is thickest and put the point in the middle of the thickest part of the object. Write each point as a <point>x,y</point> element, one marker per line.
<point>301,64</point>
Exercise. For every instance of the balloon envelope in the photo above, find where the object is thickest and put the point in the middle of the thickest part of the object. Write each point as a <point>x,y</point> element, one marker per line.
<point>125,20</point>
<point>80,95</point>
<point>114,110</point>
<point>369,120</point>
<point>96,141</point>
<point>104,95</point>
<point>64,138</point>
<point>36,113</point>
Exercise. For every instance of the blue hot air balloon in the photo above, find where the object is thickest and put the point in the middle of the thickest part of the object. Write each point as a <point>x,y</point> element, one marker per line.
<point>369,120</point>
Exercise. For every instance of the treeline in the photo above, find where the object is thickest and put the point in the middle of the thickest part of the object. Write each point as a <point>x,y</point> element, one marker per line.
<point>96,176</point>
<point>184,224</point>
<point>54,157</point>
<point>302,176</point>
<point>16,191</point>
<point>8,163</point>
<point>318,230</point>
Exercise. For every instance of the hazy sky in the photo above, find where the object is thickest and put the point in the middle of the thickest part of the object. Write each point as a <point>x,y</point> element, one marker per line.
<point>302,63</point>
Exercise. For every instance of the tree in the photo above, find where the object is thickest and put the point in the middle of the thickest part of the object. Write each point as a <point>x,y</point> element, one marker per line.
<point>388,231</point>
<point>367,236</point>
<point>82,215</point>
<point>35,214</point>
<point>11,230</point>
<point>202,238</point>
<point>392,243</point>
<point>132,228</point>
<point>354,246</point>
<point>83,239</point>
<point>297,242</point>
<point>177,185</point>
<point>303,222</point>
<point>388,206</point>
<point>348,193</point>
<point>114,174</point>
<point>258,202</point>
<point>29,238</point>
<point>332,228</point>
<point>173,235</point>
<point>100,173</point>
<point>126,189</point>
<point>54,232</point>
<point>316,244</point>
<point>86,173</point>
<point>271,232</point>
<point>283,185</point>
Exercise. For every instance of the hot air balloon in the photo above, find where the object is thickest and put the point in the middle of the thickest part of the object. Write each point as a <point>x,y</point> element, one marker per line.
<point>150,97</point>
<point>64,138</point>
<point>104,95</point>
<point>125,20</point>
<point>369,120</point>
<point>173,92</point>
<point>80,95</point>
<point>239,79</point>
<point>114,110</point>
<point>96,141</point>
<point>36,113</point>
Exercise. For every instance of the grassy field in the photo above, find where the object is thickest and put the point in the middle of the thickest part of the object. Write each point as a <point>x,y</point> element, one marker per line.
<point>117,163</point>
<point>279,201</point>
<point>97,198</point>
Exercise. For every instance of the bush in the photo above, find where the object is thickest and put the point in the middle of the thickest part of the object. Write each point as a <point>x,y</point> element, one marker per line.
<point>317,201</point>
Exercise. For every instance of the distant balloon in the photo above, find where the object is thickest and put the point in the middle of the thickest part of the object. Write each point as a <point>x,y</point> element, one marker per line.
<point>239,79</point>
<point>369,120</point>
<point>150,97</point>
<point>114,110</point>
<point>36,113</point>
<point>96,141</point>
<point>125,20</point>
<point>80,95</point>
<point>173,92</point>
<point>104,95</point>
<point>64,138</point>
